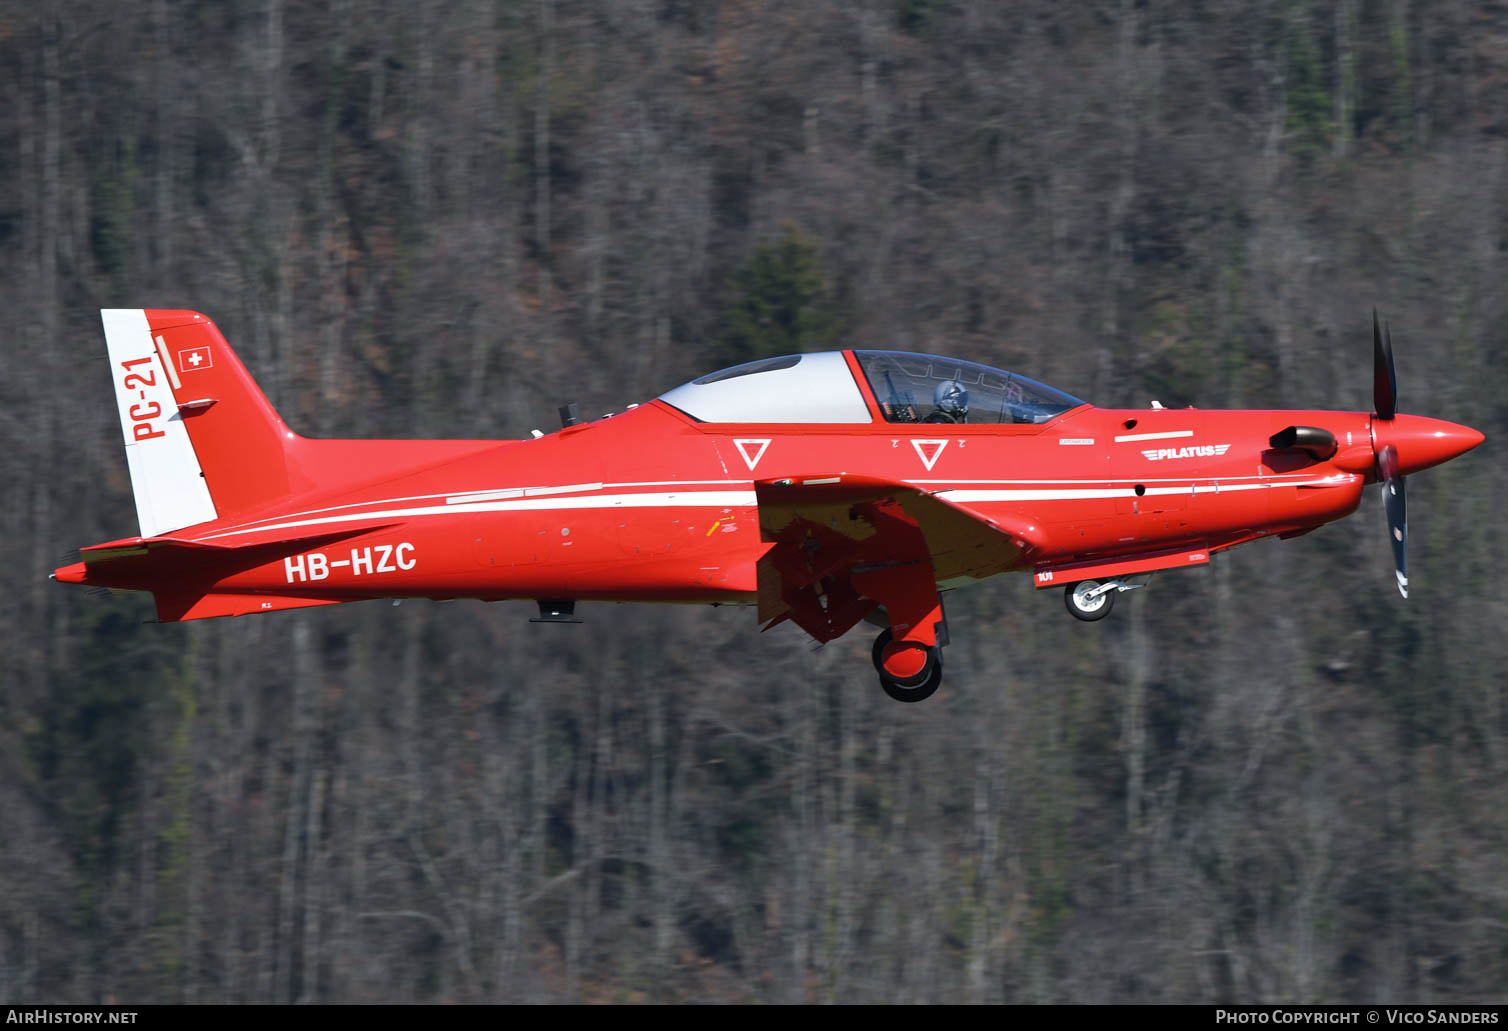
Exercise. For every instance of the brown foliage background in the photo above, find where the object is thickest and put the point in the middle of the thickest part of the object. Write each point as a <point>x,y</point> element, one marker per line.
<point>1270,780</point>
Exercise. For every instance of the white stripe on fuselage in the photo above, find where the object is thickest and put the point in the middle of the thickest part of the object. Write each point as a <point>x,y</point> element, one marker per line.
<point>734,499</point>
<point>1118,492</point>
<point>1126,438</point>
<point>1278,478</point>
<point>684,499</point>
<point>453,498</point>
<point>490,494</point>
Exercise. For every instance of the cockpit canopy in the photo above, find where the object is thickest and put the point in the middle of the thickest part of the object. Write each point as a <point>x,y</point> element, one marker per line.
<point>795,388</point>
<point>910,388</point>
<point>925,388</point>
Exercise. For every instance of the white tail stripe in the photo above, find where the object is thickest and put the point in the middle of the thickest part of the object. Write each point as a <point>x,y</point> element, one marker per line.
<point>166,480</point>
<point>519,492</point>
<point>683,499</point>
<point>469,496</point>
<point>466,499</point>
<point>167,360</point>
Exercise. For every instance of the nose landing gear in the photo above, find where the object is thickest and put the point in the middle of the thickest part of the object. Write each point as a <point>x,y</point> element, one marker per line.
<point>1090,600</point>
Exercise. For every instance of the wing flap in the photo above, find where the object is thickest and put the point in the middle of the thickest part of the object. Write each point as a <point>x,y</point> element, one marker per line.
<point>827,528</point>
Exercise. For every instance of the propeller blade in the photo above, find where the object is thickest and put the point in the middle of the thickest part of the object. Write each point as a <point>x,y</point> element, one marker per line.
<point>1395,505</point>
<point>1384,378</point>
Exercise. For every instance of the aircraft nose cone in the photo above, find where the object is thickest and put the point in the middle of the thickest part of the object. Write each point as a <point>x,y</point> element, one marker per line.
<point>1423,442</point>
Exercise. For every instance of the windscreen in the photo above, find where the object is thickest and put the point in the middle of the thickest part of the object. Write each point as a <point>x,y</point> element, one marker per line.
<point>926,388</point>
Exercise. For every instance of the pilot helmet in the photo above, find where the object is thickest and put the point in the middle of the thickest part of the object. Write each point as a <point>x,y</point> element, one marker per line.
<point>951,397</point>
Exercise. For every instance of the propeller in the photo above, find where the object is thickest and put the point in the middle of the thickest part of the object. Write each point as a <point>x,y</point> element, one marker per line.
<point>1384,379</point>
<point>1395,506</point>
<point>1394,497</point>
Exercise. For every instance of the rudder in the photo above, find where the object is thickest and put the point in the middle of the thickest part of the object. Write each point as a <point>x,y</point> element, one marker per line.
<point>202,441</point>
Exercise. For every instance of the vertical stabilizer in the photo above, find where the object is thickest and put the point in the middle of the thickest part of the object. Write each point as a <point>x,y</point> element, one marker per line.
<point>169,485</point>
<point>202,439</point>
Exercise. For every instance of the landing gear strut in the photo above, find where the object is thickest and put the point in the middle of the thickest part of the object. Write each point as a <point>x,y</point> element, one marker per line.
<point>909,671</point>
<point>1090,600</point>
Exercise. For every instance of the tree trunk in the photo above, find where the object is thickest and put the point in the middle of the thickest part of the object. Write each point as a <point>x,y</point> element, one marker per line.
<point>546,10</point>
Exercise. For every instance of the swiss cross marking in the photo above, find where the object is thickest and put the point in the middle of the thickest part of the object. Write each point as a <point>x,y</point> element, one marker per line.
<point>194,358</point>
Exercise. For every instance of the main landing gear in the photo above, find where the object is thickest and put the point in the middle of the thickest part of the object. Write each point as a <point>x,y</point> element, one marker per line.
<point>909,670</point>
<point>908,653</point>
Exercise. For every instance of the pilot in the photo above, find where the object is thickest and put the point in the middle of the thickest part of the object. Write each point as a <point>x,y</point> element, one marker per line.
<point>951,401</point>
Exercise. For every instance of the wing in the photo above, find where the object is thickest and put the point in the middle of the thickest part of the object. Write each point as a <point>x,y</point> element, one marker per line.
<point>843,543</point>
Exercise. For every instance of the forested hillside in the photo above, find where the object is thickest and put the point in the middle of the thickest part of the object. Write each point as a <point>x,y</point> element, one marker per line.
<point>1270,779</point>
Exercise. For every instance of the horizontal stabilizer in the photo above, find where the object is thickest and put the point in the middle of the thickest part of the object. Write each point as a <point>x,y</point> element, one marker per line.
<point>176,608</point>
<point>135,563</point>
<point>137,547</point>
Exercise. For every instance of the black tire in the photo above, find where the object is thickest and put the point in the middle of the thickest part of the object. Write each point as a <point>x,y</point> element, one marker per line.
<point>920,693</point>
<point>1098,610</point>
<point>908,689</point>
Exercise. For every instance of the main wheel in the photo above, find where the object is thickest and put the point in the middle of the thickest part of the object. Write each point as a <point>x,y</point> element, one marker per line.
<point>1086,607</point>
<point>909,671</point>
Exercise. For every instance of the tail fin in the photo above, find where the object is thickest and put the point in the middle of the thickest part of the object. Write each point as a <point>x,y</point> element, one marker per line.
<point>202,441</point>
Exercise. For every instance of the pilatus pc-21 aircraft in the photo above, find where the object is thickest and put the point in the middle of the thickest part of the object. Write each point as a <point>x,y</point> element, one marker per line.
<point>827,489</point>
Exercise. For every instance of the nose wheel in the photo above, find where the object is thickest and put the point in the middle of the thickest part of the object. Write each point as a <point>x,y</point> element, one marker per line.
<point>909,671</point>
<point>1090,600</point>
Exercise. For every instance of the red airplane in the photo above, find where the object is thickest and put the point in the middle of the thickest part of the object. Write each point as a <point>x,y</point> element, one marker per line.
<point>825,488</point>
